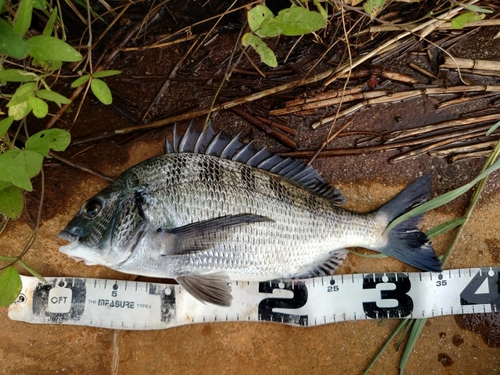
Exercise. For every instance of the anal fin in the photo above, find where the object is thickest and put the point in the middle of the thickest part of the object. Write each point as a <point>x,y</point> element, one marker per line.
<point>326,267</point>
<point>212,288</point>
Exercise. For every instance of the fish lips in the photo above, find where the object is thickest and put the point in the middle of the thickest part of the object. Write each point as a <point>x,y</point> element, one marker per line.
<point>65,235</point>
<point>72,246</point>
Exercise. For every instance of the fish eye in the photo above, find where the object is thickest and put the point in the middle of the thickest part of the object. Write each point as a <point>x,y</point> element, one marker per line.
<point>92,208</point>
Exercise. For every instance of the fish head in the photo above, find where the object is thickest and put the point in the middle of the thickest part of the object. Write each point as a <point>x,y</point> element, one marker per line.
<point>96,231</point>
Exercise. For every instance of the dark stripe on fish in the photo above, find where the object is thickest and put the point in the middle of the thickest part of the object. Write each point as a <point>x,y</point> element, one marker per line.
<point>248,177</point>
<point>210,171</point>
<point>279,190</point>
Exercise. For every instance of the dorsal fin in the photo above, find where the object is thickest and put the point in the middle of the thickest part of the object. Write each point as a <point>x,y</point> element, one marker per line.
<point>218,144</point>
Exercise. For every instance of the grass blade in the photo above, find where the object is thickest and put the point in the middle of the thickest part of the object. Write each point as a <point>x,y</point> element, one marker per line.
<point>443,199</point>
<point>445,227</point>
<point>386,344</point>
<point>414,334</point>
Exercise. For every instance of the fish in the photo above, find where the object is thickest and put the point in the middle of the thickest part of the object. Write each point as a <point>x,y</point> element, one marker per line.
<point>213,209</point>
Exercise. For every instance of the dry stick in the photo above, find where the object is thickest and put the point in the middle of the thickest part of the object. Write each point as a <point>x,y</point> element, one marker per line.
<point>79,166</point>
<point>477,72</point>
<point>400,134</point>
<point>278,125</point>
<point>488,22</point>
<point>349,72</point>
<point>360,73</point>
<point>470,64</point>
<point>330,138</point>
<point>322,96</point>
<point>188,28</point>
<point>101,66</point>
<point>452,137</point>
<point>462,149</point>
<point>239,101</point>
<point>330,102</point>
<point>464,100</point>
<point>267,129</point>
<point>422,70</point>
<point>469,155</point>
<point>166,84</point>
<point>398,96</point>
<point>425,28</point>
<point>205,111</point>
<point>376,148</point>
<point>167,44</point>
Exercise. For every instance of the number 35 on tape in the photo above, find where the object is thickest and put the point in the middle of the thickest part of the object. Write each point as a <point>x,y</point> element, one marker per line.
<point>119,304</point>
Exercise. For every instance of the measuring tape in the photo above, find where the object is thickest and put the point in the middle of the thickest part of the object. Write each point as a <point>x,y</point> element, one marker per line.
<point>132,305</point>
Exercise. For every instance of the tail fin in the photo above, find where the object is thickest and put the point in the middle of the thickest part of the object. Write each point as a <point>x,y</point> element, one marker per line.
<point>405,241</point>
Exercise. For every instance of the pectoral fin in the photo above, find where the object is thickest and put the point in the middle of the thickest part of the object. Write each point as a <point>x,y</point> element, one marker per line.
<point>212,288</point>
<point>203,235</point>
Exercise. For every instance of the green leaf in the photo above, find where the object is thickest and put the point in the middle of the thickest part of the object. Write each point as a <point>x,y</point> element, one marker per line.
<point>18,104</point>
<point>16,75</point>
<point>53,97</point>
<point>31,161</point>
<point>10,286</point>
<point>12,171</point>
<point>80,81</point>
<point>270,28</point>
<point>48,48</point>
<point>299,21</point>
<point>442,199</point>
<point>49,139</point>
<point>18,99</point>
<point>373,7</point>
<point>11,201</point>
<point>105,73</point>
<point>266,54</point>
<point>39,107</point>
<point>22,20</point>
<point>5,125</point>
<point>445,227</point>
<point>475,8</point>
<point>40,4</point>
<point>11,44</point>
<point>49,27</point>
<point>460,21</point>
<point>19,111</point>
<point>23,89</point>
<point>101,91</point>
<point>257,15</point>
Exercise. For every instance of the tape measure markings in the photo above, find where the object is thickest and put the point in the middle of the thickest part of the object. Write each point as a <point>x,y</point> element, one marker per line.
<point>322,300</point>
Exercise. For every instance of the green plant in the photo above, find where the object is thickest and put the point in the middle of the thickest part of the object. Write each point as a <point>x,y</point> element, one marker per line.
<point>40,57</point>
<point>491,164</point>
<point>293,21</point>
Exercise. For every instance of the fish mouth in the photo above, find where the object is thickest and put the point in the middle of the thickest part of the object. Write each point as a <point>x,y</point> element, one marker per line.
<point>65,235</point>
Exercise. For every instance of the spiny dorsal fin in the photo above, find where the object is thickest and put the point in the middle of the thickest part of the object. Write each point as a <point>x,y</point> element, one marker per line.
<point>218,144</point>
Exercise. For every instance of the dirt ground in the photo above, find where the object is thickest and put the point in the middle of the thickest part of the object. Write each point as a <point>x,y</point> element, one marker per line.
<point>448,345</point>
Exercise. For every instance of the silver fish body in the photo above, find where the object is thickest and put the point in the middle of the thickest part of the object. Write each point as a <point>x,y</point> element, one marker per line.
<point>204,214</point>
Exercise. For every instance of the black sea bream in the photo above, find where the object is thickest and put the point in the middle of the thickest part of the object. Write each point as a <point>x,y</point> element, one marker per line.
<point>212,209</point>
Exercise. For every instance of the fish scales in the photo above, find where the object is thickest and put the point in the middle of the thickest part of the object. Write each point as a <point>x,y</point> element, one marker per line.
<point>212,210</point>
<point>201,193</point>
